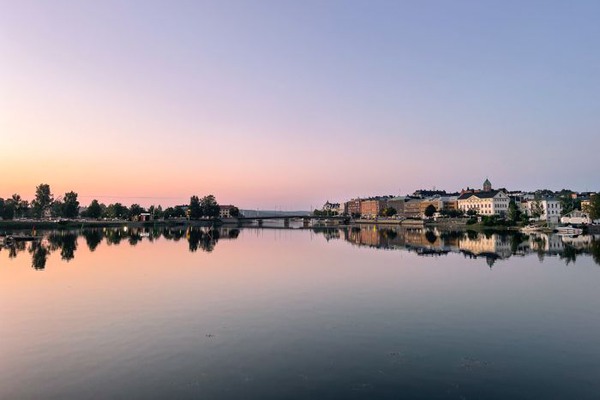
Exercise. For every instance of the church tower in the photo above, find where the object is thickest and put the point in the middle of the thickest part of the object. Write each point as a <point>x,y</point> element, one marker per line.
<point>487,185</point>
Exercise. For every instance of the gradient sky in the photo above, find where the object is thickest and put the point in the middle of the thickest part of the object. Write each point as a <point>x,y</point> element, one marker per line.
<point>281,104</point>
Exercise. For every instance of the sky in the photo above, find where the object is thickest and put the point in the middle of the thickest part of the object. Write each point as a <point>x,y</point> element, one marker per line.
<point>288,104</point>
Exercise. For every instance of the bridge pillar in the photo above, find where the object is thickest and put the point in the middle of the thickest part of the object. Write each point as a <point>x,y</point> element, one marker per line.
<point>286,222</point>
<point>306,222</point>
<point>260,222</point>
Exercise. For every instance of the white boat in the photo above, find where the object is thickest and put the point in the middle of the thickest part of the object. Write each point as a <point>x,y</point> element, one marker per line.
<point>568,230</point>
<point>530,228</point>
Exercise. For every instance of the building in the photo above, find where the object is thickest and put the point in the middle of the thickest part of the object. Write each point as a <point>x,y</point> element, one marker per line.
<point>371,208</point>
<point>225,211</point>
<point>493,202</point>
<point>332,208</point>
<point>352,207</point>
<point>484,202</point>
<point>412,208</point>
<point>143,217</point>
<point>397,203</point>
<point>576,217</point>
<point>549,210</point>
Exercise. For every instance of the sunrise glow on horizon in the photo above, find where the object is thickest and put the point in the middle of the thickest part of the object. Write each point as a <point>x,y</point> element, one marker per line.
<point>285,105</point>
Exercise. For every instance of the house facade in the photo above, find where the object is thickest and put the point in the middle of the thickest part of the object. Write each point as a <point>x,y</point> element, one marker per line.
<point>549,209</point>
<point>576,217</point>
<point>492,202</point>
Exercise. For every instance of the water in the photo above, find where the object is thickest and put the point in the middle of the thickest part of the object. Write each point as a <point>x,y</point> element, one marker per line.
<point>327,313</point>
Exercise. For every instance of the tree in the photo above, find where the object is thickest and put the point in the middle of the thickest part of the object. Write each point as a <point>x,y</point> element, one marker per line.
<point>594,207</point>
<point>94,210</point>
<point>117,210</point>
<point>19,205</point>
<point>430,210</point>
<point>234,212</point>
<point>537,210</point>
<point>388,212</point>
<point>210,207</point>
<point>195,210</point>
<point>514,214</point>
<point>70,205</point>
<point>43,199</point>
<point>56,209</point>
<point>135,210</point>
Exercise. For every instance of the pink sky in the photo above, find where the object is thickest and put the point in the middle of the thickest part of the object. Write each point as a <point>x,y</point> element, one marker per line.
<point>278,106</point>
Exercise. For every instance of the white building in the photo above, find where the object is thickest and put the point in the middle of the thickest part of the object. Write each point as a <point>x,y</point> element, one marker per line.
<point>549,209</point>
<point>576,217</point>
<point>492,202</point>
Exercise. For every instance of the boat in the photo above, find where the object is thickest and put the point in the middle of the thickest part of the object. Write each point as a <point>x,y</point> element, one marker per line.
<point>568,230</point>
<point>530,228</point>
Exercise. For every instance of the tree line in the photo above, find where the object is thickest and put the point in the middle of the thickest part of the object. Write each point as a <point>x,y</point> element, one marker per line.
<point>45,205</point>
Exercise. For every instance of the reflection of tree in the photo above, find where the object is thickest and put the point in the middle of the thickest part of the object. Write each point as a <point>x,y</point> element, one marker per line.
<point>174,234</point>
<point>569,254</point>
<point>66,242</point>
<point>134,237</point>
<point>69,246</point>
<point>233,233</point>
<point>209,240</point>
<point>595,250</point>
<point>114,236</point>
<point>93,237</point>
<point>430,236</point>
<point>15,249</point>
<point>39,255</point>
<point>193,237</point>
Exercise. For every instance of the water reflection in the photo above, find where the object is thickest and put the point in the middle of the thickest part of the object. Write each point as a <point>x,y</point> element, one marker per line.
<point>491,246</point>
<point>65,242</point>
<point>424,242</point>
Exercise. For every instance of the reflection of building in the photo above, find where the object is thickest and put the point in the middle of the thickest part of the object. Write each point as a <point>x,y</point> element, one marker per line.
<point>550,244</point>
<point>483,245</point>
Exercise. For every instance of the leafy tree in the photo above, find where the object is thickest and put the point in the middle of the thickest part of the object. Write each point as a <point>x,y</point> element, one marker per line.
<point>135,210</point>
<point>56,209</point>
<point>43,199</point>
<point>7,209</point>
<point>210,207</point>
<point>389,212</point>
<point>594,208</point>
<point>430,210</point>
<point>195,211</point>
<point>19,205</point>
<point>514,214</point>
<point>94,210</point>
<point>471,212</point>
<point>70,205</point>
<point>234,212</point>
<point>117,210</point>
<point>451,213</point>
<point>537,210</point>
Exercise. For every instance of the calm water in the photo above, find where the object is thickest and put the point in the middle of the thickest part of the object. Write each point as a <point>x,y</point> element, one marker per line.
<point>299,314</point>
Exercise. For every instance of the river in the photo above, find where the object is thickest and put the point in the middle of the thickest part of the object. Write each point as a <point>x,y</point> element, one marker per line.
<point>323,313</point>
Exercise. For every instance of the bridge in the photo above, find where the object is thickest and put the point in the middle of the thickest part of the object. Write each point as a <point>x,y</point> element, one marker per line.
<point>286,218</point>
